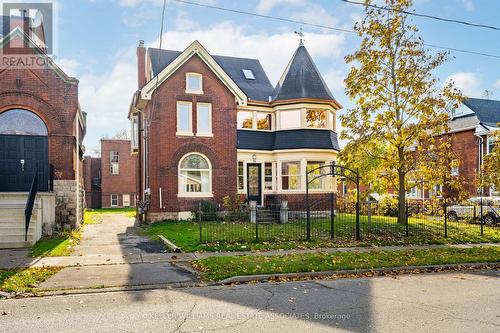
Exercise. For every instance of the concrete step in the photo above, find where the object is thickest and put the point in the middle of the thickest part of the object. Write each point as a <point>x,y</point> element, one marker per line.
<point>19,237</point>
<point>14,245</point>
<point>15,218</point>
<point>7,230</point>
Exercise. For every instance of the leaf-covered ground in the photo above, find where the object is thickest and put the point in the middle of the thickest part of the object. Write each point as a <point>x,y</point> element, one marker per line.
<point>25,280</point>
<point>218,268</point>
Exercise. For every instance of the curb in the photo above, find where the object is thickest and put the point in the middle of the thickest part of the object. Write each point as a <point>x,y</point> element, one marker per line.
<point>378,271</point>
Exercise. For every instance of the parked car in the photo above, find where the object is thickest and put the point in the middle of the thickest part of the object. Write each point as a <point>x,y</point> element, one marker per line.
<point>491,210</point>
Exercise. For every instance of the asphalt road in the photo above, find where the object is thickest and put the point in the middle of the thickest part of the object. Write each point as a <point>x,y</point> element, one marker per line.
<point>445,302</point>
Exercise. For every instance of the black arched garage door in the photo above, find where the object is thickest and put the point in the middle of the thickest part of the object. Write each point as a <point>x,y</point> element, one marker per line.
<point>23,150</point>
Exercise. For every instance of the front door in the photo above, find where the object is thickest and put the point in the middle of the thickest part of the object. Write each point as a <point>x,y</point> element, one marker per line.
<point>20,157</point>
<point>254,182</point>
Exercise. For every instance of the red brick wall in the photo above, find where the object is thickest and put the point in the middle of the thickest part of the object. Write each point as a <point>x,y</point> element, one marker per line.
<point>465,145</point>
<point>91,171</point>
<point>55,99</point>
<point>166,149</point>
<point>125,181</point>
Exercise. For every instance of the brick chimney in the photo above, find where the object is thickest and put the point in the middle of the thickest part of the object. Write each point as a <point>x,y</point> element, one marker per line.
<point>141,65</point>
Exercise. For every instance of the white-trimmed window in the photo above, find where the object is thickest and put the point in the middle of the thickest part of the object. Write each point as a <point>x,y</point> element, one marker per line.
<point>114,163</point>
<point>134,122</point>
<point>319,183</point>
<point>290,175</point>
<point>114,200</point>
<point>491,144</point>
<point>241,175</point>
<point>413,192</point>
<point>245,119</point>
<point>204,119</point>
<point>268,176</point>
<point>184,118</point>
<point>290,119</point>
<point>455,171</point>
<point>264,121</point>
<point>195,176</point>
<point>317,119</point>
<point>194,83</point>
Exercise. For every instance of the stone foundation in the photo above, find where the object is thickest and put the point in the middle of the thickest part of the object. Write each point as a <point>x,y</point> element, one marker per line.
<point>66,204</point>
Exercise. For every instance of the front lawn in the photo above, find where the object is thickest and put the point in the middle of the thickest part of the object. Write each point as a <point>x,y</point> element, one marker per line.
<point>25,280</point>
<point>219,268</point>
<point>240,236</point>
<point>59,245</point>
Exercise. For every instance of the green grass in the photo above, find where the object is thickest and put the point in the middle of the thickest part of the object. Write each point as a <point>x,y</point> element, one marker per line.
<point>59,245</point>
<point>241,235</point>
<point>25,280</point>
<point>93,216</point>
<point>218,268</point>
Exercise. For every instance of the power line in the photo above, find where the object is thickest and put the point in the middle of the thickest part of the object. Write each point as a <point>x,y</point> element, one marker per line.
<point>477,25</point>
<point>323,26</point>
<point>265,16</point>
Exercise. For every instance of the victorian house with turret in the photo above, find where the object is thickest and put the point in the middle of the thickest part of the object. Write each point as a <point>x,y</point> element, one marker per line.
<point>207,126</point>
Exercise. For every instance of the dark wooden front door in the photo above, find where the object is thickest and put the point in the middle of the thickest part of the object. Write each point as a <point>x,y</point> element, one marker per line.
<point>20,157</point>
<point>254,182</point>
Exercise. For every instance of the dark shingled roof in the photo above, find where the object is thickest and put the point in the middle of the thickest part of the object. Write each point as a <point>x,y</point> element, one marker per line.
<point>301,79</point>
<point>258,89</point>
<point>287,139</point>
<point>486,110</point>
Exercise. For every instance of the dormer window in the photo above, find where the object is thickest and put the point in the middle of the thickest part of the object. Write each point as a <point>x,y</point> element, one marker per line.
<point>248,74</point>
<point>194,83</point>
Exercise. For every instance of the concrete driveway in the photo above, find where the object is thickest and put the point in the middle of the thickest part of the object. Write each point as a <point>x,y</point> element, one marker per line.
<point>122,258</point>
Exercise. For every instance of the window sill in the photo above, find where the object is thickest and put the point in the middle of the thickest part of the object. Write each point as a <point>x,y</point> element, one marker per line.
<point>195,195</point>
<point>184,134</point>
<point>205,135</point>
<point>194,92</point>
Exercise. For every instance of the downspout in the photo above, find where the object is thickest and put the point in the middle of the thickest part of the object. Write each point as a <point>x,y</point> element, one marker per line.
<point>77,134</point>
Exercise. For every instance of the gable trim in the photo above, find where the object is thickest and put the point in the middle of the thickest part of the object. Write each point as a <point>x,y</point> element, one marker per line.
<point>198,49</point>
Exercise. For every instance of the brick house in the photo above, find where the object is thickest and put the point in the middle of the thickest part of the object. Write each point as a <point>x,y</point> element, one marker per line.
<point>92,181</point>
<point>206,126</point>
<point>118,174</point>
<point>41,132</point>
<point>110,180</point>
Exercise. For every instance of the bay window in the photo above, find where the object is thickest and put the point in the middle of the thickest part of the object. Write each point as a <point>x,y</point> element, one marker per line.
<point>264,121</point>
<point>245,119</point>
<point>320,183</point>
<point>290,119</point>
<point>317,119</point>
<point>290,175</point>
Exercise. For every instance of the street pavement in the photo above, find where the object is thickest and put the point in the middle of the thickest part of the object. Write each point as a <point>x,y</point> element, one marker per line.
<point>440,302</point>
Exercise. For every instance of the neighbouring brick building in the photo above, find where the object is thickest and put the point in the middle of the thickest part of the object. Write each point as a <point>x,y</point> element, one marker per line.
<point>41,128</point>
<point>206,126</point>
<point>110,180</point>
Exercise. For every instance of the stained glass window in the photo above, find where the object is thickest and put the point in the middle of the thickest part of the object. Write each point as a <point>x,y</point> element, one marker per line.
<point>21,122</point>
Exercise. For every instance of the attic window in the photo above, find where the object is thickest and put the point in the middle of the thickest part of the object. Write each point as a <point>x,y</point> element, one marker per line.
<point>248,74</point>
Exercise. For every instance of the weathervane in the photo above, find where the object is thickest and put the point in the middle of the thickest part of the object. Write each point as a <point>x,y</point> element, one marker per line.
<point>301,34</point>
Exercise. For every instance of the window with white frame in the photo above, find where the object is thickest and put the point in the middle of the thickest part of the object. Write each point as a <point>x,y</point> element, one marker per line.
<point>317,118</point>
<point>245,119</point>
<point>241,175</point>
<point>195,176</point>
<point>437,191</point>
<point>290,175</point>
<point>455,171</point>
<point>114,163</point>
<point>319,183</point>
<point>184,118</point>
<point>290,119</point>
<point>194,83</point>
<point>203,119</point>
<point>134,122</point>
<point>264,121</point>
<point>491,144</point>
<point>268,176</point>
<point>413,192</point>
<point>114,200</point>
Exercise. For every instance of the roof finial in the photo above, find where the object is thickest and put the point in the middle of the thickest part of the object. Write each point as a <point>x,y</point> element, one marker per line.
<point>301,34</point>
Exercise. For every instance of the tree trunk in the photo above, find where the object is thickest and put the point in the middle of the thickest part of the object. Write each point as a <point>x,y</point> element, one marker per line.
<point>401,199</point>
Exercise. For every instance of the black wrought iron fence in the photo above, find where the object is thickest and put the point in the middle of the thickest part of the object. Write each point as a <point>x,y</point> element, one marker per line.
<point>336,220</point>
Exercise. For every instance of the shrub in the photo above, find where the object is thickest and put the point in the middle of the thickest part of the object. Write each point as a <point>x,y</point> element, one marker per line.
<point>388,205</point>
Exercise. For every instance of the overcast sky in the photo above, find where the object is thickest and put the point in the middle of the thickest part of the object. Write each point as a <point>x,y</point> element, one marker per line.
<point>97,41</point>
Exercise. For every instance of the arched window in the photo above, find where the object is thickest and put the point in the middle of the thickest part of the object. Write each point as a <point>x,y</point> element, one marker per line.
<point>195,176</point>
<point>21,122</point>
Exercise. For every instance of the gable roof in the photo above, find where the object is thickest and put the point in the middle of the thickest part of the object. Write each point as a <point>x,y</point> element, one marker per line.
<point>301,79</point>
<point>487,111</point>
<point>194,49</point>
<point>257,89</point>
